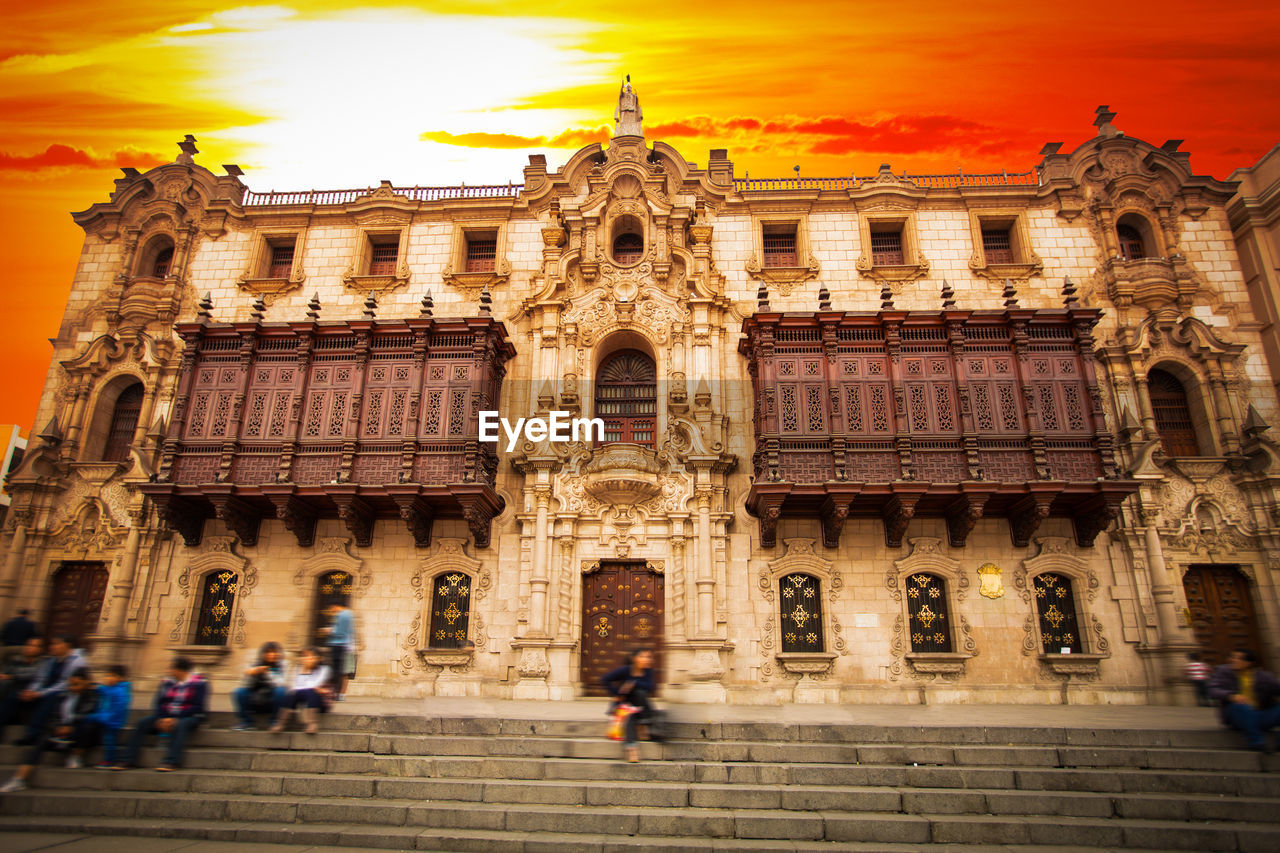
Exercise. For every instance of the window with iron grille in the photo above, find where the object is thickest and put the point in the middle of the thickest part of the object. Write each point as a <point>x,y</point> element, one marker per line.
<point>331,588</point>
<point>1056,610</point>
<point>628,248</point>
<point>383,254</point>
<point>997,245</point>
<point>482,252</point>
<point>886,248</point>
<point>779,245</point>
<point>164,260</point>
<point>450,610</point>
<point>1172,414</point>
<point>627,398</point>
<point>281,265</point>
<point>124,421</point>
<point>1130,243</point>
<point>217,601</point>
<point>800,603</point>
<point>927,619</point>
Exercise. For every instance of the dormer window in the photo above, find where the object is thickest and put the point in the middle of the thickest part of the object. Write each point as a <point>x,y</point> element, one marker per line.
<point>997,245</point>
<point>779,245</point>
<point>383,254</point>
<point>482,252</point>
<point>280,264</point>
<point>886,248</point>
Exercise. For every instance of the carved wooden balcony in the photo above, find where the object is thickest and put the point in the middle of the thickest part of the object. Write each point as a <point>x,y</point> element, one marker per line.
<point>956,414</point>
<point>358,420</point>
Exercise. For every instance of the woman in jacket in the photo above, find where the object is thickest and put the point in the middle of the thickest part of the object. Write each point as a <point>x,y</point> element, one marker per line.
<point>632,684</point>
<point>263,689</point>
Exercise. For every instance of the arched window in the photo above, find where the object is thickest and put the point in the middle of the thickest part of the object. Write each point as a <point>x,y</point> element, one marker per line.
<point>628,248</point>
<point>164,260</point>
<point>929,624</point>
<point>217,602</point>
<point>124,421</point>
<point>1056,611</point>
<point>1172,414</point>
<point>450,610</point>
<point>800,603</point>
<point>331,588</point>
<point>1131,248</point>
<point>627,398</point>
<point>156,258</point>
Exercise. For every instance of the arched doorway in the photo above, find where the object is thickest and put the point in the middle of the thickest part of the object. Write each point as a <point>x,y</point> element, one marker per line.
<point>75,601</point>
<point>1222,613</point>
<point>622,609</point>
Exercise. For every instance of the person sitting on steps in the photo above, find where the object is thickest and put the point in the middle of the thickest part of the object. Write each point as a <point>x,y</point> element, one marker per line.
<point>309,688</point>
<point>632,684</point>
<point>1247,697</point>
<point>74,730</point>
<point>181,705</point>
<point>263,689</point>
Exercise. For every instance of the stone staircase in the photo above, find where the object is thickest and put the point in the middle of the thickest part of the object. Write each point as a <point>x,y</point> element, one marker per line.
<point>470,783</point>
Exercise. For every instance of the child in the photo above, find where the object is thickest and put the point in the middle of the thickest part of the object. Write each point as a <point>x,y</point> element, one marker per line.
<point>115,695</point>
<point>308,690</point>
<point>74,730</point>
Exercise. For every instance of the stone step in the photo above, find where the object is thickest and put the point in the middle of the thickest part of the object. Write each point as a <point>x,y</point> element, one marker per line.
<point>339,822</point>
<point>679,795</point>
<point>1210,737</point>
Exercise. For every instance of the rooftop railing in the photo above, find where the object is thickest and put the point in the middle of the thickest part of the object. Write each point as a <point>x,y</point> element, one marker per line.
<point>322,197</point>
<point>960,179</point>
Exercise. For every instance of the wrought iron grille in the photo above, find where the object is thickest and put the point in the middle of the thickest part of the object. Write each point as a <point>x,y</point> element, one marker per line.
<point>331,588</point>
<point>1130,243</point>
<point>382,257</point>
<point>482,253</point>
<point>1172,413</point>
<point>1056,609</point>
<point>281,261</point>
<point>997,245</point>
<point>628,248</point>
<point>627,398</point>
<point>450,610</point>
<point>216,605</point>
<point>800,602</point>
<point>886,248</point>
<point>927,617</point>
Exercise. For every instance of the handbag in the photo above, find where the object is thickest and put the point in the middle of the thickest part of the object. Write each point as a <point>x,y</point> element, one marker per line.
<point>618,722</point>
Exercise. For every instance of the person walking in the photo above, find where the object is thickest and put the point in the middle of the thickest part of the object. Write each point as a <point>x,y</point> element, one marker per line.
<point>340,637</point>
<point>632,684</point>
<point>18,630</point>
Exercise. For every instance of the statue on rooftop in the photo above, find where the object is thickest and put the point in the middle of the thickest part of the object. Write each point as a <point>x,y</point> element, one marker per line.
<point>628,115</point>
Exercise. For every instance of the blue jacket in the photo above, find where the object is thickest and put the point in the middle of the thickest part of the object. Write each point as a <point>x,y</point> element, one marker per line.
<point>616,679</point>
<point>113,705</point>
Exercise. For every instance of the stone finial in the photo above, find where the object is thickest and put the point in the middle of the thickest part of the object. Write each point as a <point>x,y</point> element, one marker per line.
<point>370,306</point>
<point>259,310</point>
<point>1009,294</point>
<point>428,306</point>
<point>948,295</point>
<point>313,307</point>
<point>628,116</point>
<point>1254,425</point>
<point>205,314</point>
<point>188,151</point>
<point>824,298</point>
<point>52,433</point>
<point>486,302</point>
<point>886,297</point>
<point>1069,297</point>
<point>233,171</point>
<point>1103,117</point>
<point>762,297</point>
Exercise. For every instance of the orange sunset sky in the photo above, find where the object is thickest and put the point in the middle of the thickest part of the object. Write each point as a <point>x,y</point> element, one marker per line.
<point>327,94</point>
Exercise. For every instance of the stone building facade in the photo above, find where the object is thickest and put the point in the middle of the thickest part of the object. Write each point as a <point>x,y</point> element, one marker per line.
<point>875,439</point>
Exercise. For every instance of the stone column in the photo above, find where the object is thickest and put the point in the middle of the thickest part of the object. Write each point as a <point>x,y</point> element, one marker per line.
<point>17,550</point>
<point>538,582</point>
<point>1144,406</point>
<point>1222,407</point>
<point>122,586</point>
<point>1161,586</point>
<point>706,574</point>
<point>75,423</point>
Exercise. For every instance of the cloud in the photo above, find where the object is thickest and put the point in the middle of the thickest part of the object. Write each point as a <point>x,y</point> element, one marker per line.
<point>571,138</point>
<point>59,156</point>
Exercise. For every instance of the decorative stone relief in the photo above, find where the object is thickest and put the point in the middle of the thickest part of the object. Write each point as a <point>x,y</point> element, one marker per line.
<point>800,556</point>
<point>448,555</point>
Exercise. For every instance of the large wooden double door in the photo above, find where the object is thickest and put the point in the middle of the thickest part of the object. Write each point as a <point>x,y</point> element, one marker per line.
<point>75,603</point>
<point>1222,614</point>
<point>622,606</point>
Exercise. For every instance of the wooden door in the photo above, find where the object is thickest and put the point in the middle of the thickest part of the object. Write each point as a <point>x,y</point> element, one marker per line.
<point>1222,614</point>
<point>622,606</point>
<point>75,603</point>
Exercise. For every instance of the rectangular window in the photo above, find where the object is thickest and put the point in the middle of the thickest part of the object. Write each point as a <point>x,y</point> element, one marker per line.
<point>482,252</point>
<point>383,254</point>
<point>779,244</point>
<point>886,248</point>
<point>281,262</point>
<point>997,245</point>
